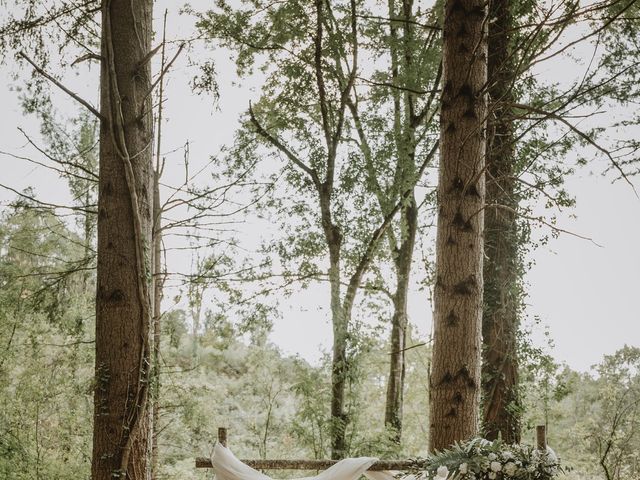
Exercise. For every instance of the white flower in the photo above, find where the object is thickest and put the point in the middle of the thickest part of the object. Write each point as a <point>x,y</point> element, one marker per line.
<point>551,456</point>
<point>463,468</point>
<point>493,475</point>
<point>546,458</point>
<point>496,466</point>
<point>442,473</point>
<point>510,469</point>
<point>507,455</point>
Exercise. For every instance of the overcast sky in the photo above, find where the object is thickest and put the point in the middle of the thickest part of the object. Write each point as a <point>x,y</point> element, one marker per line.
<point>588,295</point>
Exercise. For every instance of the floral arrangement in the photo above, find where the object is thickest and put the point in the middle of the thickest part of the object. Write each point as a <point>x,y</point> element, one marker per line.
<point>480,459</point>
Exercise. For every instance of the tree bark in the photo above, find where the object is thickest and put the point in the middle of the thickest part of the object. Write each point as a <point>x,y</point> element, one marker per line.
<point>502,269</point>
<point>125,198</point>
<point>455,375</point>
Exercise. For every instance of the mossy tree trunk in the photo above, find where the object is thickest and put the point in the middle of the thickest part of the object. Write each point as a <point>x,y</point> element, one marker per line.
<point>502,268</point>
<point>399,322</point>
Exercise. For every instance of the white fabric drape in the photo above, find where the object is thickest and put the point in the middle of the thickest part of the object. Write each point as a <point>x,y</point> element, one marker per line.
<point>227,467</point>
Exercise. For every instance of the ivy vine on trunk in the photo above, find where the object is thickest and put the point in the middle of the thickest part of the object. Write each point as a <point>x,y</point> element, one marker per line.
<point>121,443</point>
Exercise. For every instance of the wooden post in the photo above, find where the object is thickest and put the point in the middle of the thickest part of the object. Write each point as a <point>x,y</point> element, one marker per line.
<point>222,436</point>
<point>541,437</point>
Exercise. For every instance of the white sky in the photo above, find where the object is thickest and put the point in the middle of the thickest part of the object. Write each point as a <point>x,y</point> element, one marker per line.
<point>588,295</point>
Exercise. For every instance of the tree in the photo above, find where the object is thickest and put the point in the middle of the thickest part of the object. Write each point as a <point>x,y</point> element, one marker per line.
<point>502,264</point>
<point>615,437</point>
<point>45,363</point>
<point>121,440</point>
<point>350,141</point>
<point>303,117</point>
<point>621,37</point>
<point>520,170</point>
<point>392,120</point>
<point>455,375</point>
<point>122,300</point>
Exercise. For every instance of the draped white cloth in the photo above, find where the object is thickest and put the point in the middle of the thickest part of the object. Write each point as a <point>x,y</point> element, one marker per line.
<point>227,467</point>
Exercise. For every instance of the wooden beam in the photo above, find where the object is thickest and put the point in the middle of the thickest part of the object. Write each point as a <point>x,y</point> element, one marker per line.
<point>280,464</point>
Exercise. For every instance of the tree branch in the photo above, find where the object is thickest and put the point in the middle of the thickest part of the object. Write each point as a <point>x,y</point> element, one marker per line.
<point>73,95</point>
<point>581,134</point>
<point>283,148</point>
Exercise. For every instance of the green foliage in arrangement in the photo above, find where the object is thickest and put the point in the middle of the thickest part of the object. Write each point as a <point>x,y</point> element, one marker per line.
<point>480,459</point>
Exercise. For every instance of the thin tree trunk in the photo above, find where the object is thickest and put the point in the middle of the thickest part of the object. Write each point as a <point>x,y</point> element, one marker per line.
<point>502,294</point>
<point>196,314</point>
<point>121,446</point>
<point>341,312</point>
<point>395,385</point>
<point>157,315</point>
<point>339,367</point>
<point>339,371</point>
<point>158,279</point>
<point>455,375</point>
<point>88,229</point>
<point>402,249</point>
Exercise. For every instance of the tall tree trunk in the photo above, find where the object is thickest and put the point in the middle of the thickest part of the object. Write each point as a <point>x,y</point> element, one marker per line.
<point>502,294</point>
<point>395,384</point>
<point>123,309</point>
<point>455,375</point>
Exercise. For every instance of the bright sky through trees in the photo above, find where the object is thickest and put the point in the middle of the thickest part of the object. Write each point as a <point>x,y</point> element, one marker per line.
<point>586,294</point>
